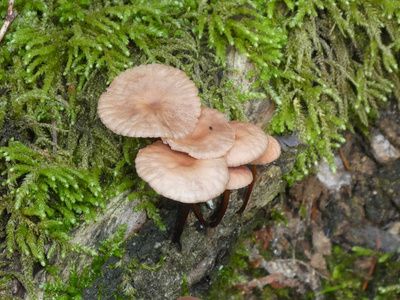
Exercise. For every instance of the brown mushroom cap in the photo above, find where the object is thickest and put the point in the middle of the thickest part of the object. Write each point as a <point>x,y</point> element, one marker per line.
<point>179,176</point>
<point>151,101</point>
<point>212,138</point>
<point>239,177</point>
<point>271,154</point>
<point>250,142</point>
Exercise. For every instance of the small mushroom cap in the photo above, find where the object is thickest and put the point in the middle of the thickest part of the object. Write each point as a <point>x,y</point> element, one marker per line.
<point>250,142</point>
<point>212,138</point>
<point>271,154</point>
<point>239,177</point>
<point>151,101</point>
<point>179,176</point>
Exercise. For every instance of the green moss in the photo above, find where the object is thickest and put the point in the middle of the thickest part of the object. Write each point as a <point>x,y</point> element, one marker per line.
<point>56,289</point>
<point>346,282</point>
<point>229,276</point>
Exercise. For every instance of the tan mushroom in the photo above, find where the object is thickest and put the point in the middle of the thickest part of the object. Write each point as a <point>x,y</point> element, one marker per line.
<point>271,154</point>
<point>151,101</point>
<point>179,176</point>
<point>250,142</point>
<point>239,177</point>
<point>212,138</point>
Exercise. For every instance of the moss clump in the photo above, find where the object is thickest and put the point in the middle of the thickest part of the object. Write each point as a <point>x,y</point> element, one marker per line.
<point>57,289</point>
<point>337,70</point>
<point>229,276</point>
<point>346,282</point>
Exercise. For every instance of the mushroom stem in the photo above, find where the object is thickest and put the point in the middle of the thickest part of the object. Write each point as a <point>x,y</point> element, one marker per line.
<point>246,199</point>
<point>199,215</point>
<point>182,217</point>
<point>219,214</point>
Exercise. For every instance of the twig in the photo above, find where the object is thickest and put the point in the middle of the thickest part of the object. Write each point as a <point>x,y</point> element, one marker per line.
<point>374,262</point>
<point>345,163</point>
<point>54,134</point>
<point>42,152</point>
<point>314,210</point>
<point>11,15</point>
<point>2,91</point>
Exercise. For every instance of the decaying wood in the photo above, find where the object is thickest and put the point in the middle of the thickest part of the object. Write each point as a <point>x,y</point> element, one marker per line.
<point>202,249</point>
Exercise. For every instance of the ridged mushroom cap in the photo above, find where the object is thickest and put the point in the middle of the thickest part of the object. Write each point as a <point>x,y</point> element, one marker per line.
<point>250,142</point>
<point>151,101</point>
<point>239,177</point>
<point>179,176</point>
<point>271,154</point>
<point>212,137</point>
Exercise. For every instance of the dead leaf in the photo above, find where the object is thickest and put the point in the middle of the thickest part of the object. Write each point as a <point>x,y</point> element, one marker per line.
<point>264,236</point>
<point>318,262</point>
<point>321,243</point>
<point>255,263</point>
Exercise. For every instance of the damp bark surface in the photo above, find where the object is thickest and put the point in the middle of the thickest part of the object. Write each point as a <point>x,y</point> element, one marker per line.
<point>156,268</point>
<point>200,251</point>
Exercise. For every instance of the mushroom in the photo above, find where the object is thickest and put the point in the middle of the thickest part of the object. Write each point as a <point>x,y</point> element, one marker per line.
<point>250,142</point>
<point>212,137</point>
<point>271,154</point>
<point>239,177</point>
<point>151,101</point>
<point>181,177</point>
<point>161,101</point>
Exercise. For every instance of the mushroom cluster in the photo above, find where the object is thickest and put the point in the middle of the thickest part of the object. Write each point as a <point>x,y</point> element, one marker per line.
<point>201,155</point>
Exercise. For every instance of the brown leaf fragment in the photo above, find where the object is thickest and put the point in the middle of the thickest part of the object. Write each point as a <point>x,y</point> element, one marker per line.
<point>314,210</point>
<point>318,262</point>
<point>298,270</point>
<point>264,236</point>
<point>275,280</point>
<point>321,243</point>
<point>283,282</point>
<point>291,269</point>
<point>257,282</point>
<point>255,263</point>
